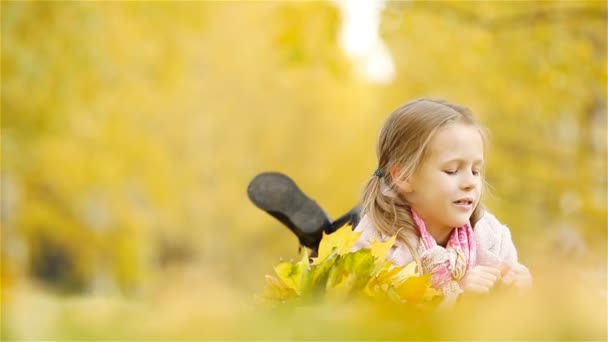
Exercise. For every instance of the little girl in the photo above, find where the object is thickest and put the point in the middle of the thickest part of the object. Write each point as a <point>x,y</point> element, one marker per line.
<point>427,190</point>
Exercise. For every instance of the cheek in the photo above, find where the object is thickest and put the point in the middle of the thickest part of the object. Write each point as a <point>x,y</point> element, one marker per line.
<point>442,185</point>
<point>446,181</point>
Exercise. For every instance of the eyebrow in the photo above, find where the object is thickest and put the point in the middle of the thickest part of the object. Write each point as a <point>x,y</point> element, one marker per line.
<point>476,161</point>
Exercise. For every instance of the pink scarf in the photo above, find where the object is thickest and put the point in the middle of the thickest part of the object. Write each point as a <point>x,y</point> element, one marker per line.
<point>447,265</point>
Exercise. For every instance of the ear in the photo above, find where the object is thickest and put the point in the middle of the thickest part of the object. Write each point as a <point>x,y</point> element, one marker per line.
<point>403,185</point>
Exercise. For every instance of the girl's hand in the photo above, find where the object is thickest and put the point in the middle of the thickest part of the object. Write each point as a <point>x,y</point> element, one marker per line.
<point>516,275</point>
<point>480,279</point>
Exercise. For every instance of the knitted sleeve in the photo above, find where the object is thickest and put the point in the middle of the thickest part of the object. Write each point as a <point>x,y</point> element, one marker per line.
<point>368,233</point>
<point>495,245</point>
<point>507,250</point>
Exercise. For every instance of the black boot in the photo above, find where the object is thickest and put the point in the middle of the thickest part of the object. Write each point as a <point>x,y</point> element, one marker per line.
<point>278,195</point>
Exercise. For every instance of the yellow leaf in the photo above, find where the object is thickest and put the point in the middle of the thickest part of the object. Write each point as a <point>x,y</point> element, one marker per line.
<point>275,290</point>
<point>341,241</point>
<point>320,271</point>
<point>380,249</point>
<point>414,289</point>
<point>380,281</point>
<point>292,275</point>
<point>342,289</point>
<point>408,271</point>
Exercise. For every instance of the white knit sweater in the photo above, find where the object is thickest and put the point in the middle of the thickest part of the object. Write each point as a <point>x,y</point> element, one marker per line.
<point>494,244</point>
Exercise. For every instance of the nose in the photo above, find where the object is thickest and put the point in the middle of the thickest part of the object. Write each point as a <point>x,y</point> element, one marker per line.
<point>468,182</point>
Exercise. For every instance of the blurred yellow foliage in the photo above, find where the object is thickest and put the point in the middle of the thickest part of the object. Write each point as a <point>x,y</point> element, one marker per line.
<point>130,131</point>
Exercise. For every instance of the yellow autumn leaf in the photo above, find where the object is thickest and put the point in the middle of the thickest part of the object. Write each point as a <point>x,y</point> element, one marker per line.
<point>276,290</point>
<point>360,264</point>
<point>292,274</point>
<point>320,272</point>
<point>381,280</point>
<point>380,249</point>
<point>341,241</point>
<point>342,289</point>
<point>406,272</point>
<point>415,289</point>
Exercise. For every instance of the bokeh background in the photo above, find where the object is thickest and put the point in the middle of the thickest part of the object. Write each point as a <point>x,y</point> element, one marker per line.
<point>130,131</point>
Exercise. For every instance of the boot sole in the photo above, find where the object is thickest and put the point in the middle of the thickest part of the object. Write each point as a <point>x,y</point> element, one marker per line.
<point>278,195</point>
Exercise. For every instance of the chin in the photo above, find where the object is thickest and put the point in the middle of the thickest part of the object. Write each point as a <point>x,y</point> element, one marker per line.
<point>459,222</point>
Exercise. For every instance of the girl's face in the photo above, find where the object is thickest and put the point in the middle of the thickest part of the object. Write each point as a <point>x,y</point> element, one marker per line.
<point>446,187</point>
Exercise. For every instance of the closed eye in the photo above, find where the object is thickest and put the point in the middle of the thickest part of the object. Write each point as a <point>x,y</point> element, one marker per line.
<point>453,172</point>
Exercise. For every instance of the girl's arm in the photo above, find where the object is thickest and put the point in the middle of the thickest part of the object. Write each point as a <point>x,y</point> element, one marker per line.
<point>496,249</point>
<point>506,249</point>
<point>494,243</point>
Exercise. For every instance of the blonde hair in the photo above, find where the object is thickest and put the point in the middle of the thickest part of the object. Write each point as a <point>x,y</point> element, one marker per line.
<point>403,143</point>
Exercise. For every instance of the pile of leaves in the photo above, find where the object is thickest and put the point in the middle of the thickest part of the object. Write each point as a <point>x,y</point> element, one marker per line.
<point>339,273</point>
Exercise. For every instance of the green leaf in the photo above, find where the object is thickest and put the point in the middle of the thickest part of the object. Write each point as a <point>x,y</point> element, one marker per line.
<point>319,273</point>
<point>358,266</point>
